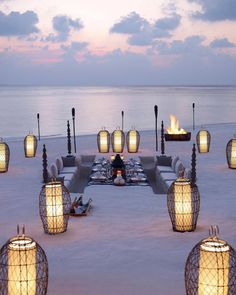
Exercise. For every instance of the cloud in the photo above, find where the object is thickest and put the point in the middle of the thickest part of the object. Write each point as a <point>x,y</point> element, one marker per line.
<point>142,32</point>
<point>63,25</point>
<point>222,43</point>
<point>133,23</point>
<point>18,24</point>
<point>168,23</point>
<point>216,10</point>
<point>190,46</point>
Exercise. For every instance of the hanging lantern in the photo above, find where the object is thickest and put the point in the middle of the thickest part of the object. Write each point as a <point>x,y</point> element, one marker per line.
<point>118,141</point>
<point>211,267</point>
<point>24,267</point>
<point>54,207</point>
<point>183,201</point>
<point>30,145</point>
<point>4,156</point>
<point>231,153</point>
<point>203,139</point>
<point>133,140</point>
<point>103,141</point>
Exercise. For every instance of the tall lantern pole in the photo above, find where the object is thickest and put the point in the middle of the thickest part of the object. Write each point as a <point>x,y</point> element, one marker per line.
<point>73,118</point>
<point>38,126</point>
<point>156,114</point>
<point>122,120</point>
<point>193,116</point>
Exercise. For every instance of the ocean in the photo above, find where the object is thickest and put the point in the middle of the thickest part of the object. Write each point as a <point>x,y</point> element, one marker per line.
<point>97,107</point>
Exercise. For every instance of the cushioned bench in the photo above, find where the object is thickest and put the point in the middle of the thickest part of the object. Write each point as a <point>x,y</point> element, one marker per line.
<point>168,170</point>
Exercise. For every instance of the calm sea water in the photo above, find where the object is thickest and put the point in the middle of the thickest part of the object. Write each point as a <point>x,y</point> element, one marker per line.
<point>102,106</point>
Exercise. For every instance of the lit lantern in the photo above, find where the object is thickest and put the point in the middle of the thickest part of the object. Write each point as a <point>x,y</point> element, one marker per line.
<point>30,146</point>
<point>118,141</point>
<point>211,268</point>
<point>103,141</point>
<point>231,153</point>
<point>54,206</point>
<point>183,201</point>
<point>4,156</point>
<point>203,139</point>
<point>133,140</point>
<point>24,267</point>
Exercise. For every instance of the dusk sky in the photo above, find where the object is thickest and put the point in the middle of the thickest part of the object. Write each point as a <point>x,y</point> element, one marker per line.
<point>107,42</point>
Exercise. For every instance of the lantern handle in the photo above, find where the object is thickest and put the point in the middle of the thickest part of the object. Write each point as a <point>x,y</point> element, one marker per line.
<point>18,230</point>
<point>214,231</point>
<point>23,230</point>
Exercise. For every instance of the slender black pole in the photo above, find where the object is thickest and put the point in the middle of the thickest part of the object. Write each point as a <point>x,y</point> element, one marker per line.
<point>45,165</point>
<point>162,139</point>
<point>156,114</point>
<point>122,120</point>
<point>68,138</point>
<point>193,116</point>
<point>193,164</point>
<point>38,126</point>
<point>73,118</point>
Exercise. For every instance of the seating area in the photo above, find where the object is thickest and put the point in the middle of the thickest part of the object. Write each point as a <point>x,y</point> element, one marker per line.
<point>168,169</point>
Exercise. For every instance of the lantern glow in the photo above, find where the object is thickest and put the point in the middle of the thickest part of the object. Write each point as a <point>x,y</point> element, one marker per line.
<point>203,140</point>
<point>22,266</point>
<point>118,140</point>
<point>54,205</point>
<point>214,267</point>
<point>103,141</point>
<point>211,267</point>
<point>30,146</point>
<point>4,157</point>
<point>183,201</point>
<point>133,140</point>
<point>231,153</point>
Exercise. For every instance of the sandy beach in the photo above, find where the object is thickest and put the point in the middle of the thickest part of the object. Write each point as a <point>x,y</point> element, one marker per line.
<point>126,245</point>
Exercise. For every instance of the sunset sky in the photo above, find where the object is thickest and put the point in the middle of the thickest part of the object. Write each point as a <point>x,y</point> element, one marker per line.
<point>107,42</point>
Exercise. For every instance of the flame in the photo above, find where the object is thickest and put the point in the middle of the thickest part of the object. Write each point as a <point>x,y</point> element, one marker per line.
<point>174,126</point>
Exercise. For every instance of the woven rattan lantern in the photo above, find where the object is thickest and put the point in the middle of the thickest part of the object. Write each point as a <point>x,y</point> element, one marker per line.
<point>183,201</point>
<point>23,267</point>
<point>54,207</point>
<point>103,141</point>
<point>231,153</point>
<point>132,141</point>
<point>118,141</point>
<point>211,268</point>
<point>30,145</point>
<point>4,156</point>
<point>203,140</point>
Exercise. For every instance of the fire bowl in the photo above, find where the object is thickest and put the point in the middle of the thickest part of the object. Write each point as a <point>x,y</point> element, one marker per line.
<point>178,137</point>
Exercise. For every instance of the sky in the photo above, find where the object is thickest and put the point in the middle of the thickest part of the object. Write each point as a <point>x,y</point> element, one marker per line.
<point>107,42</point>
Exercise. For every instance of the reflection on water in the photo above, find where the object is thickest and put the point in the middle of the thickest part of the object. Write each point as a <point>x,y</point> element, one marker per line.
<point>102,106</point>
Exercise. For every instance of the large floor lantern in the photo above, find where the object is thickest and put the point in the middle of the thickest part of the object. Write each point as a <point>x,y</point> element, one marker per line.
<point>118,141</point>
<point>103,141</point>
<point>211,267</point>
<point>132,141</point>
<point>30,145</point>
<point>203,139</point>
<point>4,156</point>
<point>231,153</point>
<point>183,201</point>
<point>54,207</point>
<point>24,267</point>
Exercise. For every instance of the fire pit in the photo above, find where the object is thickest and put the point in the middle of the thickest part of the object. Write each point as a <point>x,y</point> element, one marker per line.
<point>175,133</point>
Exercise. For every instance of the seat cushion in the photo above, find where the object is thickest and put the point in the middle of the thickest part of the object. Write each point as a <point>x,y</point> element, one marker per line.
<point>168,183</point>
<point>68,170</point>
<point>168,176</point>
<point>164,169</point>
<point>67,176</point>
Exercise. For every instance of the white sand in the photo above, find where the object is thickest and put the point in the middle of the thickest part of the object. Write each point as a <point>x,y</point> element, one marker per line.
<point>126,246</point>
